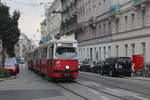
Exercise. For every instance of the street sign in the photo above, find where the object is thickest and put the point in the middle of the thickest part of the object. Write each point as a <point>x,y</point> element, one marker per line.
<point>1,46</point>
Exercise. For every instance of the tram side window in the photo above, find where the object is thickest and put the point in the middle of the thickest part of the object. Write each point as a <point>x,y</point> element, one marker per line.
<point>44,52</point>
<point>50,52</point>
<point>34,55</point>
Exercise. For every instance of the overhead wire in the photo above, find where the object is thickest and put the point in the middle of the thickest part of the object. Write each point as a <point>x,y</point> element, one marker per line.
<point>31,5</point>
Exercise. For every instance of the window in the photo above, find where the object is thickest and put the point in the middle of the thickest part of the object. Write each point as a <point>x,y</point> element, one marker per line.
<point>91,53</point>
<point>133,19</point>
<point>144,49</point>
<point>44,52</point>
<point>88,53</point>
<point>66,53</point>
<point>109,51</point>
<point>100,53</point>
<point>50,52</point>
<point>100,28</point>
<point>126,50</point>
<point>117,26</point>
<point>104,28</point>
<point>104,53</point>
<point>126,22</point>
<point>117,51</point>
<point>109,28</point>
<point>96,54</point>
<point>133,49</point>
<point>143,18</point>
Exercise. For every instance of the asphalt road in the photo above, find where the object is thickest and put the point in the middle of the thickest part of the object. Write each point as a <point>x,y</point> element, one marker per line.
<point>30,86</point>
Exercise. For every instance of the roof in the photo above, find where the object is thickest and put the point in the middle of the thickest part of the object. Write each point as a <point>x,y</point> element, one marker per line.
<point>63,39</point>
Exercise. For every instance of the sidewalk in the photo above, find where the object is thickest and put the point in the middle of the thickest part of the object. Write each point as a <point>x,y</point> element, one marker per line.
<point>1,80</point>
<point>139,78</point>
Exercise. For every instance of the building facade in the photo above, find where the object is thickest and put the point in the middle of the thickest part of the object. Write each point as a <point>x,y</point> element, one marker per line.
<point>121,29</point>
<point>24,46</point>
<point>53,20</point>
<point>69,17</point>
<point>43,29</point>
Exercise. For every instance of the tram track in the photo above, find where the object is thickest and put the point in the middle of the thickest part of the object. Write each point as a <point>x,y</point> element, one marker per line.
<point>121,98</point>
<point>114,86</point>
<point>73,92</point>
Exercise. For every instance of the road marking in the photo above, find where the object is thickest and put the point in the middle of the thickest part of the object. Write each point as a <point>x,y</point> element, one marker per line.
<point>121,92</point>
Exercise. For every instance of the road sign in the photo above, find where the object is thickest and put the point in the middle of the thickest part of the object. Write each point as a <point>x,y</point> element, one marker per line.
<point>1,46</point>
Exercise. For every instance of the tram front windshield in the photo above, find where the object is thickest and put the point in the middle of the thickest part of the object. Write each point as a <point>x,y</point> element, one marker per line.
<point>66,53</point>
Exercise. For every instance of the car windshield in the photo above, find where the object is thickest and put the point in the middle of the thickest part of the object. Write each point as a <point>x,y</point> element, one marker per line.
<point>124,59</point>
<point>86,62</point>
<point>110,60</point>
<point>66,53</point>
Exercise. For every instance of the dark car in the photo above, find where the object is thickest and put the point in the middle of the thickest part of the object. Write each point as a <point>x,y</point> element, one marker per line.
<point>146,70</point>
<point>117,66</point>
<point>97,67</point>
<point>86,66</point>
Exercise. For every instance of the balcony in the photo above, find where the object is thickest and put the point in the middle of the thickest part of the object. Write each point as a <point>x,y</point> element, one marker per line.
<point>114,9</point>
<point>92,22</point>
<point>139,2</point>
<point>136,1</point>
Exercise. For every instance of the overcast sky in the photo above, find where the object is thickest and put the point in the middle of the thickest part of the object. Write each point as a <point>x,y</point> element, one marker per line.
<point>32,13</point>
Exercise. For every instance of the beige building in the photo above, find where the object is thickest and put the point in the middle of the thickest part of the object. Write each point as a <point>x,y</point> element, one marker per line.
<point>24,46</point>
<point>43,29</point>
<point>53,20</point>
<point>69,17</point>
<point>122,29</point>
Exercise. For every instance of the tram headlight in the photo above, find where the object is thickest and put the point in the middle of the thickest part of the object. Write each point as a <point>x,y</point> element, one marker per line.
<point>67,67</point>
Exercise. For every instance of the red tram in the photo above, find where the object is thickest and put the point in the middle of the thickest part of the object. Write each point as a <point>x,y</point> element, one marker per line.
<point>56,59</point>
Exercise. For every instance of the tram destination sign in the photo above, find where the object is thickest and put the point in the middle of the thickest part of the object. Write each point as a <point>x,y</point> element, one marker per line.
<point>67,44</point>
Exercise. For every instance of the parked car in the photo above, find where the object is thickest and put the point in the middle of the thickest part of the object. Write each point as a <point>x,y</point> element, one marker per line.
<point>117,66</point>
<point>146,72</point>
<point>97,67</point>
<point>11,64</point>
<point>86,65</point>
<point>21,61</point>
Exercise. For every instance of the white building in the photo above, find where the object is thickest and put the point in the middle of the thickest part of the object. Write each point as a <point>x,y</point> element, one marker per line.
<point>43,29</point>
<point>121,30</point>
<point>23,46</point>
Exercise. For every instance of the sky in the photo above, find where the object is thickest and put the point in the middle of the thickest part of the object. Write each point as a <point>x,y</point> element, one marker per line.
<point>32,13</point>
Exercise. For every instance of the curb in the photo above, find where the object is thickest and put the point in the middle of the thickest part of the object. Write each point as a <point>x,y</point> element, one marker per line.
<point>12,77</point>
<point>138,78</point>
<point>1,80</point>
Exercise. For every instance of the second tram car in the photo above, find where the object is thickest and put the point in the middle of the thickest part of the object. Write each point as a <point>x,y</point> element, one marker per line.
<point>57,59</point>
